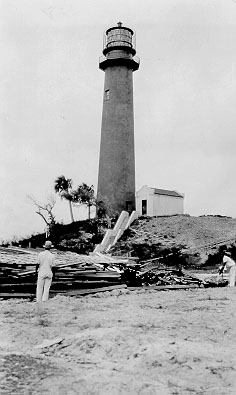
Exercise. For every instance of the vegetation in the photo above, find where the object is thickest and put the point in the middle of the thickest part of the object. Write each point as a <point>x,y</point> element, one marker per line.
<point>84,195</point>
<point>78,236</point>
<point>45,210</point>
<point>63,186</point>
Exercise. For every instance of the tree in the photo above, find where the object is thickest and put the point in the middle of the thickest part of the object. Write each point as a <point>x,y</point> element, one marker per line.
<point>63,186</point>
<point>104,208</point>
<point>44,210</point>
<point>84,194</point>
<point>101,208</point>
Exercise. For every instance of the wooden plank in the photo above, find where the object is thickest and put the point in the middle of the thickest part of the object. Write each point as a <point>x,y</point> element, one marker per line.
<point>26,273</point>
<point>16,295</point>
<point>92,291</point>
<point>163,287</point>
<point>78,272</point>
<point>18,285</point>
<point>75,272</point>
<point>65,265</point>
<point>103,274</point>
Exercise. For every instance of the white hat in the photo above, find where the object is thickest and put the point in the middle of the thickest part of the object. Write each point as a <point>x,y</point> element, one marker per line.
<point>48,245</point>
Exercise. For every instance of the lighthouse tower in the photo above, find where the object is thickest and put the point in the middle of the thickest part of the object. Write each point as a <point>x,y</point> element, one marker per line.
<point>116,176</point>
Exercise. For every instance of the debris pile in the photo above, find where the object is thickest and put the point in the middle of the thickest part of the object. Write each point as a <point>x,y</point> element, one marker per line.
<point>74,273</point>
<point>158,274</point>
<point>167,277</point>
<point>154,272</point>
<point>78,275</point>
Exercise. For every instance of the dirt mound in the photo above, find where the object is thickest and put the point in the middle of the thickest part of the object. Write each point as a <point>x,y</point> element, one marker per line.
<point>192,237</point>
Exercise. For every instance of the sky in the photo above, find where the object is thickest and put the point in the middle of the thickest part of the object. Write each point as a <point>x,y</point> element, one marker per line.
<point>51,101</point>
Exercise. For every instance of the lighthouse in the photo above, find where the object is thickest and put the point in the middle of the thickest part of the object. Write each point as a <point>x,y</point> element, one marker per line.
<point>116,174</point>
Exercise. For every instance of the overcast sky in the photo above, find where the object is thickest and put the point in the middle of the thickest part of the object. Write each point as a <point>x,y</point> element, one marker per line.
<point>51,101</point>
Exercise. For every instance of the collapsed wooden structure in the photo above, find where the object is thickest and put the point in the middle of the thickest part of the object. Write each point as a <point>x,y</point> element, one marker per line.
<point>74,272</point>
<point>78,275</point>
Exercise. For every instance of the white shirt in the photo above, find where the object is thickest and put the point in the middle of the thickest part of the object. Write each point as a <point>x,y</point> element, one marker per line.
<point>229,262</point>
<point>46,261</point>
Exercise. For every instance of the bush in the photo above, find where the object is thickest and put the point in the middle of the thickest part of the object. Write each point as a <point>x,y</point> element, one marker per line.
<point>79,236</point>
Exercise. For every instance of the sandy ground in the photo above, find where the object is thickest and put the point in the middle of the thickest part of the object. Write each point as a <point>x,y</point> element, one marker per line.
<point>121,342</point>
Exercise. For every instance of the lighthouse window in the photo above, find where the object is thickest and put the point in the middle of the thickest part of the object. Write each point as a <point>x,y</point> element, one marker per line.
<point>107,94</point>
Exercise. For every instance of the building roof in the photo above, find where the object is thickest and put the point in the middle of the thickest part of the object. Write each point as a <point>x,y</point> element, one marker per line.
<point>158,191</point>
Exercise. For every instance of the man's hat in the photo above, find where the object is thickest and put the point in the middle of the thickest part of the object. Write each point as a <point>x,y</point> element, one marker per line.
<point>48,245</point>
<point>228,253</point>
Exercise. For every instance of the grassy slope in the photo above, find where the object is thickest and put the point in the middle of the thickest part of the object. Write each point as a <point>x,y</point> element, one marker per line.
<point>181,231</point>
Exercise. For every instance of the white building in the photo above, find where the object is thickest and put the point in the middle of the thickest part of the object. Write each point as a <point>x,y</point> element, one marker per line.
<point>154,202</point>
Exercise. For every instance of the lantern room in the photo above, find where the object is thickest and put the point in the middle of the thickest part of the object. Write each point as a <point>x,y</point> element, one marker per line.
<point>119,37</point>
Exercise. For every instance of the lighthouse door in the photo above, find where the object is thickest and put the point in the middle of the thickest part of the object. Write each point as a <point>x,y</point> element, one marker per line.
<point>128,205</point>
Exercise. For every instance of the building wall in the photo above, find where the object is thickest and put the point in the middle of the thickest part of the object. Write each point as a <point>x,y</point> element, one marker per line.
<point>158,204</point>
<point>167,205</point>
<point>145,193</point>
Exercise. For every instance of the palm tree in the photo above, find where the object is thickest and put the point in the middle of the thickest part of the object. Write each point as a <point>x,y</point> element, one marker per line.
<point>63,186</point>
<point>84,194</point>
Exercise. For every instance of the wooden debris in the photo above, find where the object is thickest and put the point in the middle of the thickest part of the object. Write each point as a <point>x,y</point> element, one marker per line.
<point>84,274</point>
<point>73,272</point>
<point>161,277</point>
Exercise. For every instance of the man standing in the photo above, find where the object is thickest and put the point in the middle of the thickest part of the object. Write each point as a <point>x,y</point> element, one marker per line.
<point>228,262</point>
<point>45,265</point>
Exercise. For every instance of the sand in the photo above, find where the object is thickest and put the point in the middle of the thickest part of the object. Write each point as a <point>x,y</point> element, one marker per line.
<point>120,342</point>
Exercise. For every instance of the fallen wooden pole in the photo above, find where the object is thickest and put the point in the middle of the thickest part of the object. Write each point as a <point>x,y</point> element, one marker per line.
<point>164,287</point>
<point>16,295</point>
<point>82,292</point>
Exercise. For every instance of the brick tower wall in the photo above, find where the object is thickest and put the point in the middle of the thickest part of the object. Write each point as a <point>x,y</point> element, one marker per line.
<point>116,179</point>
